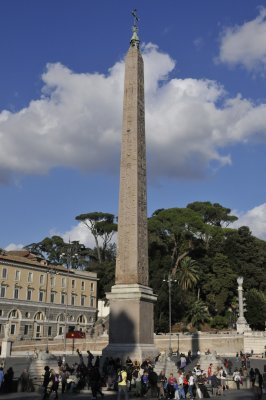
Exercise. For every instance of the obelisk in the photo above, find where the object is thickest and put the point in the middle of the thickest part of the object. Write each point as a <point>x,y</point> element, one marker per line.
<point>131,326</point>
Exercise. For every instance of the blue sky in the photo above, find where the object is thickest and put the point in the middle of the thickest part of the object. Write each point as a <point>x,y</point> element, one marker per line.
<point>61,80</point>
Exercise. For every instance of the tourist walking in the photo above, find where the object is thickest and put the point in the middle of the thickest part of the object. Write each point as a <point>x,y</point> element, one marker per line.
<point>161,384</point>
<point>237,378</point>
<point>90,357</point>
<point>1,376</point>
<point>210,372</point>
<point>252,376</point>
<point>95,380</point>
<point>122,384</point>
<point>46,380</point>
<point>54,383</point>
<point>25,381</point>
<point>180,382</point>
<point>8,380</point>
<point>215,384</point>
<point>171,386</point>
<point>258,380</point>
<point>191,385</point>
<point>183,361</point>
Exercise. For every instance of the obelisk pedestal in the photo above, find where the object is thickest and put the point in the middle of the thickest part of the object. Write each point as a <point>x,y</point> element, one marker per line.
<point>131,326</point>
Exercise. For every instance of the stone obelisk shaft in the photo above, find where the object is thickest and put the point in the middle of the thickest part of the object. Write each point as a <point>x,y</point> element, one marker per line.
<point>131,300</point>
<point>132,256</point>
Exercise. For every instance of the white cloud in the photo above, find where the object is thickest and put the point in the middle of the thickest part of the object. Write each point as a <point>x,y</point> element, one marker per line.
<point>255,219</point>
<point>78,233</point>
<point>82,234</point>
<point>245,44</point>
<point>77,122</point>
<point>13,246</point>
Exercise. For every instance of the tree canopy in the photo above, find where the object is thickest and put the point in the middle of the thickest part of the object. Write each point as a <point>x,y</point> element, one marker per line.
<point>194,245</point>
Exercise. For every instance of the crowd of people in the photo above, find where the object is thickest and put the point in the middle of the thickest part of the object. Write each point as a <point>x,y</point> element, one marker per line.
<point>135,378</point>
<point>141,380</point>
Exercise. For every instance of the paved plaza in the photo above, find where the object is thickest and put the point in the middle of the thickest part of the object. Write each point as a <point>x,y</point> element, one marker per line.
<point>86,394</point>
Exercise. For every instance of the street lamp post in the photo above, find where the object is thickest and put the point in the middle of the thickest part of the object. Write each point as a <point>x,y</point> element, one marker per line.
<point>169,280</point>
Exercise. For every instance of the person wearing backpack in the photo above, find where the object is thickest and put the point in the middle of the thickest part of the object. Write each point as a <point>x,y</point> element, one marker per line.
<point>222,376</point>
<point>122,383</point>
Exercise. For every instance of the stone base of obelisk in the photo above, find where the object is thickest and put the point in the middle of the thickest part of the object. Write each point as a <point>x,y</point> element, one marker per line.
<point>131,325</point>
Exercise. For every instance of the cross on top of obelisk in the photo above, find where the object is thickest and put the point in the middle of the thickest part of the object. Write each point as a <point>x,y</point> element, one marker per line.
<point>134,42</point>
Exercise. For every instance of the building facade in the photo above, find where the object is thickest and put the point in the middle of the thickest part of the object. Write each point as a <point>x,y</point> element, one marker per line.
<point>40,300</point>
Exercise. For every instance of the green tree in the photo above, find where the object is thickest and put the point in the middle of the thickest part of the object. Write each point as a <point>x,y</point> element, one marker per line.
<point>177,230</point>
<point>256,309</point>
<point>219,284</point>
<point>55,250</point>
<point>213,214</point>
<point>187,274</point>
<point>198,314</point>
<point>101,225</point>
<point>50,248</point>
<point>247,256</point>
<point>219,322</point>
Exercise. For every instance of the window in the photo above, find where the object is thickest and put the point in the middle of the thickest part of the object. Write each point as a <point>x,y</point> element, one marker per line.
<point>73,300</point>
<point>82,300</point>
<point>14,314</point>
<point>81,319</point>
<point>17,276</point>
<point>73,283</point>
<point>60,332</point>
<point>16,293</point>
<point>27,314</point>
<point>29,294</point>
<point>38,331</point>
<point>4,273</point>
<point>63,298</point>
<point>12,329</point>
<point>3,291</point>
<point>26,329</point>
<point>30,277</point>
<point>52,281</point>
<point>92,287</point>
<point>64,282</point>
<point>82,285</point>
<point>49,331</point>
<point>41,279</point>
<point>61,317</point>
<point>52,297</point>
<point>41,295</point>
<point>91,302</point>
<point>1,313</point>
<point>39,316</point>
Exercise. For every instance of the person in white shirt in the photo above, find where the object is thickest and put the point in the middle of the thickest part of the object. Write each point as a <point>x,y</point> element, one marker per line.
<point>191,383</point>
<point>237,378</point>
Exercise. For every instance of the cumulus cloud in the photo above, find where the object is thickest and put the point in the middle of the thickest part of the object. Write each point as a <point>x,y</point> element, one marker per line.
<point>82,234</point>
<point>76,122</point>
<point>13,246</point>
<point>255,219</point>
<point>245,44</point>
<point>78,233</point>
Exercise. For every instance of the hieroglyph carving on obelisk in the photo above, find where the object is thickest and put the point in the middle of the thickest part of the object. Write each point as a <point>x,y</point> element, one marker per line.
<point>132,255</point>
